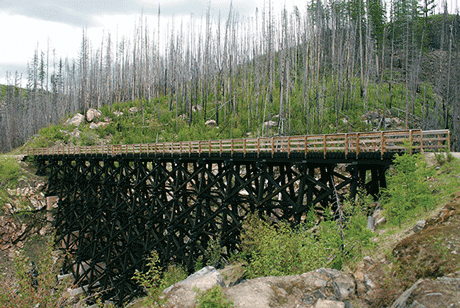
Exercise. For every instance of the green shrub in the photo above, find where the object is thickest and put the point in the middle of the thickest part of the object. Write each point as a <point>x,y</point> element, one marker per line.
<point>279,250</point>
<point>9,172</point>
<point>408,188</point>
<point>151,281</point>
<point>33,285</point>
<point>173,274</point>
<point>213,298</point>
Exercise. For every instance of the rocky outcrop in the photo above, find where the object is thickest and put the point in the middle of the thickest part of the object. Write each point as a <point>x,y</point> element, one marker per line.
<point>211,123</point>
<point>270,124</point>
<point>182,294</point>
<point>76,120</point>
<point>320,288</point>
<point>133,110</point>
<point>440,292</point>
<point>92,114</point>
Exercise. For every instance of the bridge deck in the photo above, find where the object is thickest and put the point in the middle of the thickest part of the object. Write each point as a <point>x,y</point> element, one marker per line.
<point>348,143</point>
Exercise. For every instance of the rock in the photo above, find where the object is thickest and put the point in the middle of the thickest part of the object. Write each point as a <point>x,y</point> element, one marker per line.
<point>370,223</point>
<point>92,114</point>
<point>133,110</point>
<point>324,303</point>
<point>380,221</point>
<point>419,225</point>
<point>93,126</point>
<point>182,294</point>
<point>252,293</point>
<point>75,134</point>
<point>197,108</point>
<point>76,120</point>
<point>344,286</point>
<point>103,124</point>
<point>440,292</point>
<point>270,124</point>
<point>211,123</point>
<point>118,113</point>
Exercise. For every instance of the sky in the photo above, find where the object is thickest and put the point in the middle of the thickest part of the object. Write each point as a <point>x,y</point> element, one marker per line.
<point>59,24</point>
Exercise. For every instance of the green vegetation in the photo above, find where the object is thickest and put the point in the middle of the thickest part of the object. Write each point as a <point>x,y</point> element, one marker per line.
<point>213,298</point>
<point>34,284</point>
<point>154,281</point>
<point>9,176</point>
<point>155,121</point>
<point>278,250</point>
<point>409,189</point>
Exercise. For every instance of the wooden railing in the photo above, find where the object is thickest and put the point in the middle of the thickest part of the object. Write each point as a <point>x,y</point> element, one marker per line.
<point>389,141</point>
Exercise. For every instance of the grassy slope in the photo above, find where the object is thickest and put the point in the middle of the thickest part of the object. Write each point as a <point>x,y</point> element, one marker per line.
<point>155,121</point>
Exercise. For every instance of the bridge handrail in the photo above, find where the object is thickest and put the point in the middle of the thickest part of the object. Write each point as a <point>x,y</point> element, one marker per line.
<point>413,140</point>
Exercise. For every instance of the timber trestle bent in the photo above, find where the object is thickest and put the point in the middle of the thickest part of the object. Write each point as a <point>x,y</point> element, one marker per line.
<point>116,206</point>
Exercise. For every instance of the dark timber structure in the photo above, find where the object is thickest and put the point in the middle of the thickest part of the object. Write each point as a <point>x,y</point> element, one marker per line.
<point>118,203</point>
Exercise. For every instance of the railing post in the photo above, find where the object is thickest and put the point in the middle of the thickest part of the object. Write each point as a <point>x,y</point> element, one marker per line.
<point>273,147</point>
<point>448,141</point>
<point>232,148</point>
<point>289,146</point>
<point>346,145</point>
<point>258,147</point>
<point>210,148</point>
<point>324,146</point>
<point>221,147</point>
<point>411,141</point>
<point>357,145</point>
<point>382,145</point>
<point>306,146</point>
<point>422,150</point>
<point>244,147</point>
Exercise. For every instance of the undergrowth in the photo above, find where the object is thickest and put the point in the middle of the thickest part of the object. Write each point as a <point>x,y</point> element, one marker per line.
<point>34,284</point>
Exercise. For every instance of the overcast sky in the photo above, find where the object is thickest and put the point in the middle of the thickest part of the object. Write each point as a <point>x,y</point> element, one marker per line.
<point>59,23</point>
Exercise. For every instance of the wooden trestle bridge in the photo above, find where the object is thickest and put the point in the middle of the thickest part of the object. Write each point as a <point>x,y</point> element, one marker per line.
<point>117,203</point>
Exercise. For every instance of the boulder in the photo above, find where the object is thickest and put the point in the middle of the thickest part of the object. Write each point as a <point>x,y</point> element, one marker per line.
<point>270,124</point>
<point>419,226</point>
<point>182,294</point>
<point>118,113</point>
<point>319,288</point>
<point>76,120</point>
<point>211,123</point>
<point>93,126</point>
<point>92,114</point>
<point>197,108</point>
<point>133,110</point>
<point>431,293</point>
<point>324,303</point>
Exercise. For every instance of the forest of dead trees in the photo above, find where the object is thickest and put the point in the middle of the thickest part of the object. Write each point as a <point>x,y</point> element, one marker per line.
<point>322,62</point>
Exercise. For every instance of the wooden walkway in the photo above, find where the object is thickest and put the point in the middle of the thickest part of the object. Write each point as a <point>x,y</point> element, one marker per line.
<point>377,142</point>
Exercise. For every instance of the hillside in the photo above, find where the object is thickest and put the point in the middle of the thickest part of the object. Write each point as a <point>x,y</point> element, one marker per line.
<point>323,70</point>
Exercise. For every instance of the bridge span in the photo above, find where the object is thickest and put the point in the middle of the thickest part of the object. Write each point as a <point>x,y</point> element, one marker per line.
<point>117,203</point>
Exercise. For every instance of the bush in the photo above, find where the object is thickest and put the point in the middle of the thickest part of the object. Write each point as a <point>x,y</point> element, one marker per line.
<point>213,298</point>
<point>408,188</point>
<point>279,250</point>
<point>33,285</point>
<point>154,284</point>
<point>151,281</point>
<point>173,274</point>
<point>9,172</point>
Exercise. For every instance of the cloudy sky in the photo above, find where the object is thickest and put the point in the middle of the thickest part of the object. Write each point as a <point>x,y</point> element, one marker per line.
<point>59,23</point>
